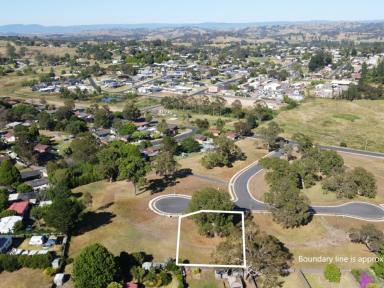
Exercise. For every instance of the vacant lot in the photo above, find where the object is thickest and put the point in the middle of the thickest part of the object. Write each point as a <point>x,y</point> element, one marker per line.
<point>25,278</point>
<point>248,146</point>
<point>324,236</point>
<point>258,185</point>
<point>123,222</point>
<point>330,121</point>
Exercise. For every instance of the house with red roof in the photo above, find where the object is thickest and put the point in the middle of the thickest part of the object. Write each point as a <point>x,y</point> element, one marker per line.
<point>20,207</point>
<point>41,148</point>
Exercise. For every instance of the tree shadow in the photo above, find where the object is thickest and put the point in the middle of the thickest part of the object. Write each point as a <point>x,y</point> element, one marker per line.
<point>127,261</point>
<point>159,185</point>
<point>93,220</point>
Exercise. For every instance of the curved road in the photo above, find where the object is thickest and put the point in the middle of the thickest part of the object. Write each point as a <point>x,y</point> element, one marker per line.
<point>239,189</point>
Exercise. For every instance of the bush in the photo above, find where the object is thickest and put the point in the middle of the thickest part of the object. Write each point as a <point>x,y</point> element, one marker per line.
<point>23,188</point>
<point>332,273</point>
<point>15,262</point>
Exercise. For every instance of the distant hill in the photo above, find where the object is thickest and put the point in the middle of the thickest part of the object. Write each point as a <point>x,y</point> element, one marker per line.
<point>20,29</point>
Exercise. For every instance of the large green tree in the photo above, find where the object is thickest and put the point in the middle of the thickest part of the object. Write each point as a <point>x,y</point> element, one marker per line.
<point>84,148</point>
<point>267,258</point>
<point>94,267</point>
<point>63,214</point>
<point>165,164</point>
<point>130,111</point>
<point>212,224</point>
<point>9,174</point>
<point>288,205</point>
<point>270,133</point>
<point>225,153</point>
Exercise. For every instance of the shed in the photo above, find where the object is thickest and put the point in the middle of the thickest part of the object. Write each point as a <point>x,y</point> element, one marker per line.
<point>5,243</point>
<point>59,279</point>
<point>37,240</point>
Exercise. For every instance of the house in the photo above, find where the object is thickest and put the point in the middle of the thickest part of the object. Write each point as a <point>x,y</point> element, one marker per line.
<point>232,135</point>
<point>26,196</point>
<point>9,137</point>
<point>151,151</point>
<point>200,138</point>
<point>41,148</point>
<point>30,175</point>
<point>37,240</point>
<point>38,184</point>
<point>172,130</point>
<point>20,207</point>
<point>7,223</point>
<point>213,89</point>
<point>5,243</point>
<point>12,125</point>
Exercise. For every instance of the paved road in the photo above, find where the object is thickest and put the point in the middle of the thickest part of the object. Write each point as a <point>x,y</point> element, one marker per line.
<point>243,199</point>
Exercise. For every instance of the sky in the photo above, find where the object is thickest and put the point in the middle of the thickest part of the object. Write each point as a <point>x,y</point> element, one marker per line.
<point>80,12</point>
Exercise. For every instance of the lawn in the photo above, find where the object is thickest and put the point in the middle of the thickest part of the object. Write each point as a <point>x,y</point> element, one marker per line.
<point>330,121</point>
<point>206,279</point>
<point>25,278</point>
<point>258,185</point>
<point>324,236</point>
<point>248,146</point>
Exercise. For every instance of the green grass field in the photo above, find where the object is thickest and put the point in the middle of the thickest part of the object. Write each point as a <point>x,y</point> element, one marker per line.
<point>327,121</point>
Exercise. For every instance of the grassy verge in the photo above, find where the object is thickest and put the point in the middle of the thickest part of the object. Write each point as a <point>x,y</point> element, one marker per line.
<point>324,236</point>
<point>330,121</point>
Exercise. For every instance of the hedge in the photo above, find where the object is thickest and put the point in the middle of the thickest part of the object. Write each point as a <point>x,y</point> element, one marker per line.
<point>15,262</point>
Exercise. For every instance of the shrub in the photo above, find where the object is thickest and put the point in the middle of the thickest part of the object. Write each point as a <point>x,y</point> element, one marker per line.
<point>332,273</point>
<point>23,188</point>
<point>365,280</point>
<point>14,262</point>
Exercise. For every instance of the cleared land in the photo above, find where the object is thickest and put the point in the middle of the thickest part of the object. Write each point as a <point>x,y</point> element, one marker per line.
<point>195,247</point>
<point>324,236</point>
<point>25,278</point>
<point>123,222</point>
<point>248,146</point>
<point>258,185</point>
<point>330,122</point>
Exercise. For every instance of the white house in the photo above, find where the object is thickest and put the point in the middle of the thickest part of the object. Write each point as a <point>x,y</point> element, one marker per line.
<point>7,223</point>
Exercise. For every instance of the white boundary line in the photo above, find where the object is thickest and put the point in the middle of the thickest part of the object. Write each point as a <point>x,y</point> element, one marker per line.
<point>211,265</point>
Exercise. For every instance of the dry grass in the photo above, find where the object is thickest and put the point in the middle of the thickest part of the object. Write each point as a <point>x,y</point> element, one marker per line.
<point>25,278</point>
<point>292,281</point>
<point>195,247</point>
<point>317,280</point>
<point>316,195</point>
<point>373,165</point>
<point>248,146</point>
<point>316,118</point>
<point>324,236</point>
<point>125,221</point>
